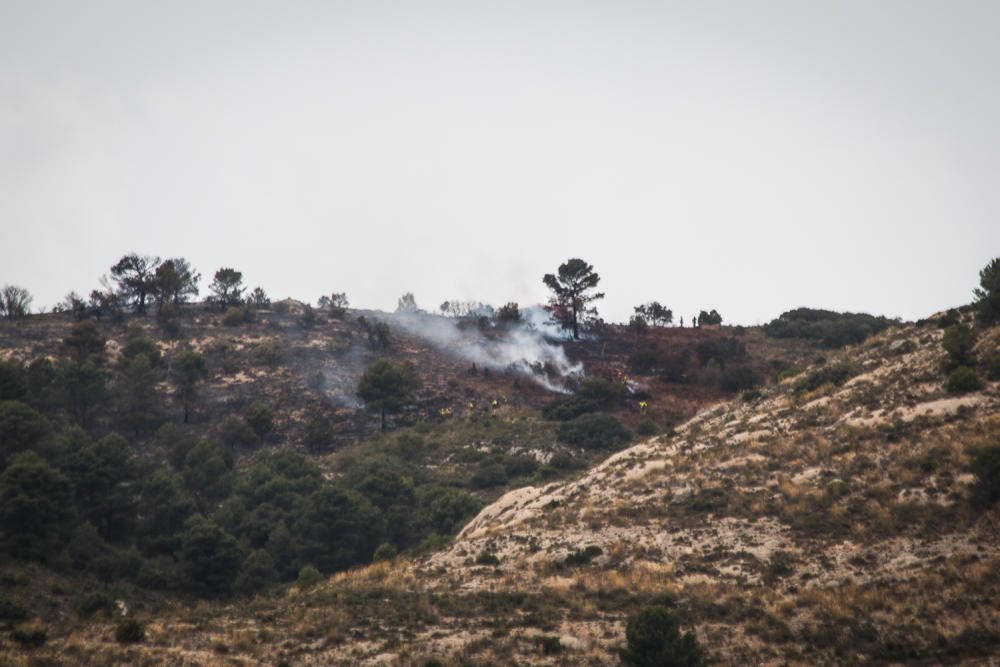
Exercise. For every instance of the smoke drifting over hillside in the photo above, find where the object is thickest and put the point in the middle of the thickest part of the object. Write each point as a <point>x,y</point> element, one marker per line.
<point>523,349</point>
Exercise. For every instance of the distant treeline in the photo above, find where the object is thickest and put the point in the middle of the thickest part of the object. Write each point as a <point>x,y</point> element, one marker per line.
<point>826,327</point>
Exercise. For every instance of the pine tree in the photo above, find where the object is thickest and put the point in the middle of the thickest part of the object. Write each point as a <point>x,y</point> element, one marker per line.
<point>572,293</point>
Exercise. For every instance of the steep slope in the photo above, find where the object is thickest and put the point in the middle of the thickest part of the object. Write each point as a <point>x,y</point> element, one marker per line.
<point>822,525</point>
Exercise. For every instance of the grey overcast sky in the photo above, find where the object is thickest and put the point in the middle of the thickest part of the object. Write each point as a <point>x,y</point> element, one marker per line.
<point>745,156</point>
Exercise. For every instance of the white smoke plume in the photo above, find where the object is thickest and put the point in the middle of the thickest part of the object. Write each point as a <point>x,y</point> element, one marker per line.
<point>524,349</point>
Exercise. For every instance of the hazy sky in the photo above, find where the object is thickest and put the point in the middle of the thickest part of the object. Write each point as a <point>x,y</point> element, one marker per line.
<point>744,156</point>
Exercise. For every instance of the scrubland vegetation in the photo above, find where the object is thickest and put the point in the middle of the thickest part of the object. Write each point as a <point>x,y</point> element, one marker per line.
<point>248,481</point>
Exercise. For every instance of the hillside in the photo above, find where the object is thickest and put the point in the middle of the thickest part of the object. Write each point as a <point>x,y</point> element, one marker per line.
<point>121,482</point>
<point>307,377</point>
<point>819,522</point>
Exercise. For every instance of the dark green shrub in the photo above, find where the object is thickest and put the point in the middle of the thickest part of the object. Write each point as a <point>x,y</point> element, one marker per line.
<point>168,318</point>
<point>130,631</point>
<point>594,395</point>
<point>604,393</point>
<point>163,507</point>
<point>519,465</point>
<point>710,375</point>
<point>137,345</point>
<point>410,446</point>
<point>488,475</point>
<point>11,611</point>
<point>740,377</point>
<point>487,558</point>
<point>385,551</point>
<point>988,293</point>
<point>307,320</point>
<point>308,577</point>
<point>336,529</point>
<point>30,636</point>
<point>235,316</point>
<point>672,364</point>
<point>41,377</point>
<point>319,431</point>
<point>236,433</point>
<point>13,382</point>
<point>36,507</point>
<point>260,417</point>
<point>644,358</point>
<point>653,639</point>
<point>594,431</point>
<point>646,427</point>
<point>268,353</point>
<point>549,644</point>
<point>950,317</point>
<point>444,510</point>
<point>963,380</point>
<point>116,564</point>
<point>155,577</point>
<point>786,373</point>
<point>986,468</point>
<point>468,456</point>
<point>780,565</point>
<point>836,374</point>
<point>207,470</point>
<point>583,556</point>
<point>21,428</point>
<point>722,350</point>
<point>828,328</point>
<point>566,408</point>
<point>637,325</point>
<point>13,579</point>
<point>84,342</point>
<point>993,367</point>
<point>387,388</point>
<point>210,556</point>
<point>432,542</point>
<point>958,342</point>
<point>256,573</point>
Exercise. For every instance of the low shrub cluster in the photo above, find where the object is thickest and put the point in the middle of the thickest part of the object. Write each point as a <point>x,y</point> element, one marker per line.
<point>985,466</point>
<point>959,366</point>
<point>963,380</point>
<point>594,395</point>
<point>130,631</point>
<point>594,431</point>
<point>826,327</point>
<point>583,556</point>
<point>31,635</point>
<point>653,639</point>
